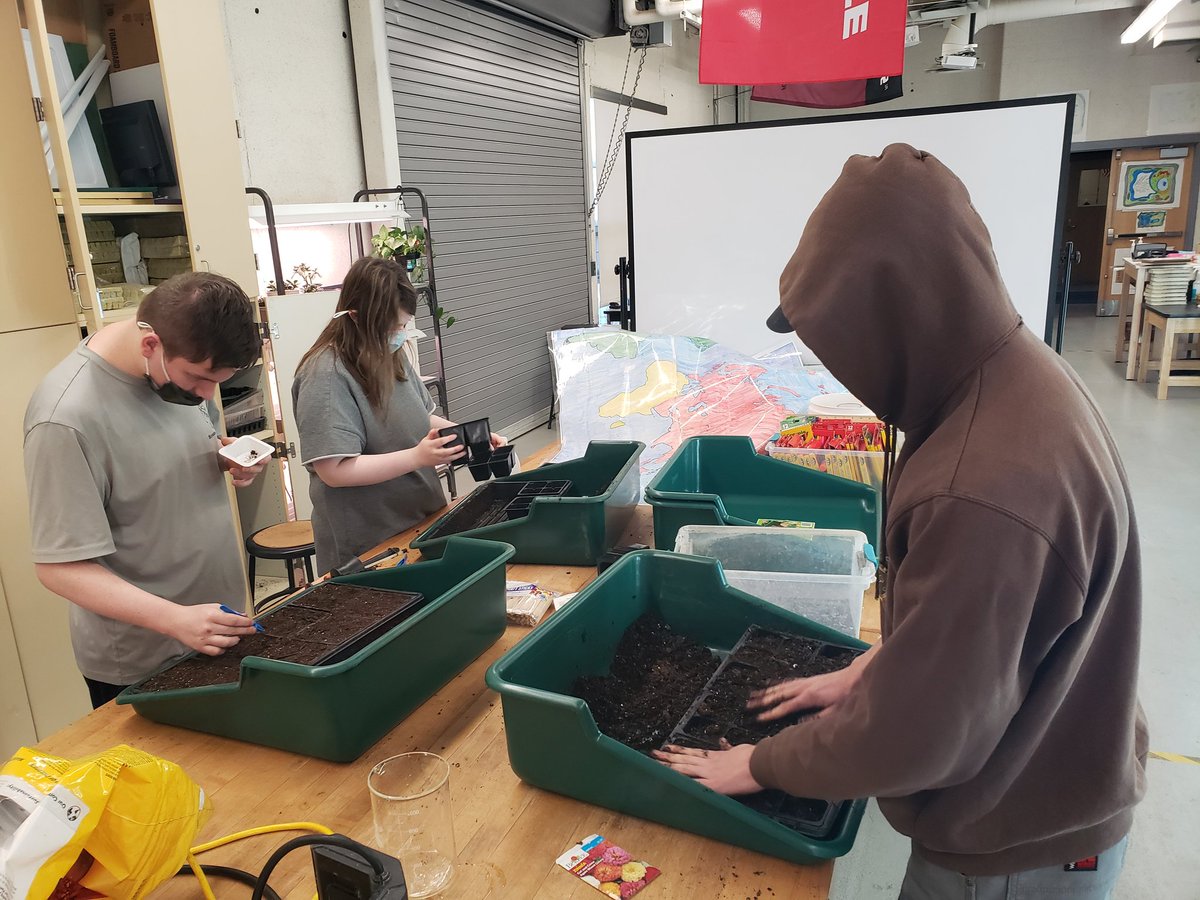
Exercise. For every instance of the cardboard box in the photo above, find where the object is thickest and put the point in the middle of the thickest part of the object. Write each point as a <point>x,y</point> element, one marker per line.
<point>63,17</point>
<point>129,33</point>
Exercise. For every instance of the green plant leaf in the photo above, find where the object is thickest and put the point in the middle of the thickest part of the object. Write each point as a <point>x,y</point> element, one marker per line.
<point>450,321</point>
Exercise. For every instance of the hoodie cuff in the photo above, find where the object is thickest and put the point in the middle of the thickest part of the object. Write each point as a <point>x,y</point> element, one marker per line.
<point>762,763</point>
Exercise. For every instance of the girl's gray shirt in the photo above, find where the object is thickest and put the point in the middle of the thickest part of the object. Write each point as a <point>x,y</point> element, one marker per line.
<point>335,419</point>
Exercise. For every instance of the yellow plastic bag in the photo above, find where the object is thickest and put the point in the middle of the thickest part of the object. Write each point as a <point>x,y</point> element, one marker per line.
<point>116,824</point>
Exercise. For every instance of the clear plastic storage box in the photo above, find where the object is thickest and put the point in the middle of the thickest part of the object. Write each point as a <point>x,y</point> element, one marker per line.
<point>820,573</point>
<point>864,466</point>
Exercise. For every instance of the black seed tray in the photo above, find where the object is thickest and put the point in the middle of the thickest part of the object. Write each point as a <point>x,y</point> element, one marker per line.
<point>759,659</point>
<point>497,501</point>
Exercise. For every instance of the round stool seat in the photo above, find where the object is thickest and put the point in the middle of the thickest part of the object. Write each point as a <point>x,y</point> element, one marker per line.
<point>286,540</point>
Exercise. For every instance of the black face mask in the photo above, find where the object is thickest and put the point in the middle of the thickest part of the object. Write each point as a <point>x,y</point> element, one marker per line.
<point>170,391</point>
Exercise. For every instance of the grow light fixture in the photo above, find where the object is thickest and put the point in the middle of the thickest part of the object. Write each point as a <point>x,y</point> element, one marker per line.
<point>328,213</point>
<point>1149,17</point>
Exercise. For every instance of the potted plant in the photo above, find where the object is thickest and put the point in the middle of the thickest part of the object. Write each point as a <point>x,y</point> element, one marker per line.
<point>308,275</point>
<point>409,244</point>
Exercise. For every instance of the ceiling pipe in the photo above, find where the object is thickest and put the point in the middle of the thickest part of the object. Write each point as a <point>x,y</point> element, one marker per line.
<point>663,11</point>
<point>1000,13</point>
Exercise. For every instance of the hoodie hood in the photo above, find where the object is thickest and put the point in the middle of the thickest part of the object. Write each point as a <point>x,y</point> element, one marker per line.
<point>895,286</point>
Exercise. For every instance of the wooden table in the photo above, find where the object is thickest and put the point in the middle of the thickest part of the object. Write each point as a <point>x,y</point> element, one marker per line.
<point>1171,320</point>
<point>1130,310</point>
<point>507,833</point>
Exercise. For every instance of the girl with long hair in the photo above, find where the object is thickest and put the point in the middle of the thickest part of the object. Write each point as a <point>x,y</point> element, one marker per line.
<point>368,434</point>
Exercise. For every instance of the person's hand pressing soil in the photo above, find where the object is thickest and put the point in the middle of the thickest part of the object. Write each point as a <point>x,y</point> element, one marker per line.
<point>726,771</point>
<point>820,692</point>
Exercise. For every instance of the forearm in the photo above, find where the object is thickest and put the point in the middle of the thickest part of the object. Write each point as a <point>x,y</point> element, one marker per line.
<point>367,468</point>
<point>91,586</point>
<point>439,422</point>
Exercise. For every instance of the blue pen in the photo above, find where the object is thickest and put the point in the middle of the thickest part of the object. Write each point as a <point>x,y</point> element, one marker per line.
<point>257,627</point>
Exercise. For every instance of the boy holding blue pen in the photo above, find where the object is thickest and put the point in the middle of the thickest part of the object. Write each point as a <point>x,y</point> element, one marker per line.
<point>128,505</point>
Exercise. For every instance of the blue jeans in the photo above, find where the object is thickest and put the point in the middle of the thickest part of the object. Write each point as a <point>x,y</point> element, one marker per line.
<point>925,881</point>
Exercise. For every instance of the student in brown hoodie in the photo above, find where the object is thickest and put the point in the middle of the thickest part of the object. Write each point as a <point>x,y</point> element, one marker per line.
<point>998,721</point>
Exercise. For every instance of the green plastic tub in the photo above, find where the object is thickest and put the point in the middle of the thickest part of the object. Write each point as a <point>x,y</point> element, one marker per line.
<point>336,712</point>
<point>722,481</point>
<point>553,742</point>
<point>572,530</point>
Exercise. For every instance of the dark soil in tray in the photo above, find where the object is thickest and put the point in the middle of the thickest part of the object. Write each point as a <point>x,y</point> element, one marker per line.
<point>654,679</point>
<point>762,658</point>
<point>665,688</point>
<point>326,625</point>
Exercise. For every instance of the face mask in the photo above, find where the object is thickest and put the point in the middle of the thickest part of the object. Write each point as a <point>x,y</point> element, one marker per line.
<point>169,390</point>
<point>398,339</point>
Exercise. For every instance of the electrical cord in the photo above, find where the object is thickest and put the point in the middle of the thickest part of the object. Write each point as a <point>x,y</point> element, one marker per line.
<point>193,865</point>
<point>331,840</point>
<point>233,875</point>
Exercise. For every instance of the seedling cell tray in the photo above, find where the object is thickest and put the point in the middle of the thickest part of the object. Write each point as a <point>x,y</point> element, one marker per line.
<point>720,480</point>
<point>373,678</point>
<point>566,513</point>
<point>555,744</point>
<point>759,659</point>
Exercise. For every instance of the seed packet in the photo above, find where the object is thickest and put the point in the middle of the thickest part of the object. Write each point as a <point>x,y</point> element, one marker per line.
<point>785,523</point>
<point>526,603</point>
<point>608,868</point>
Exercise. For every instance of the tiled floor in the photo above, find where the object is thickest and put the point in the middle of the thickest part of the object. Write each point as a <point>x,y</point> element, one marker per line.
<point>1160,444</point>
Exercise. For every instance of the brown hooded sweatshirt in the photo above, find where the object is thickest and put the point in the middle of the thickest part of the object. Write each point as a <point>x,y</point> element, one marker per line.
<point>998,724</point>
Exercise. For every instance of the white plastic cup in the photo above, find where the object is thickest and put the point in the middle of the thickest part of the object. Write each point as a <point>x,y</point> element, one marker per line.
<point>410,803</point>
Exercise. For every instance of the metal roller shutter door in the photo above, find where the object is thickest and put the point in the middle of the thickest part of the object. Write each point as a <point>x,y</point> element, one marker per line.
<point>488,123</point>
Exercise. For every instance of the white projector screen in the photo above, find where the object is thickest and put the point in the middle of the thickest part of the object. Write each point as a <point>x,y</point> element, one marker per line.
<point>715,213</point>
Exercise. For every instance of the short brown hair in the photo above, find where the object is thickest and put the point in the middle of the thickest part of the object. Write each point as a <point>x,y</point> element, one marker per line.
<point>201,316</point>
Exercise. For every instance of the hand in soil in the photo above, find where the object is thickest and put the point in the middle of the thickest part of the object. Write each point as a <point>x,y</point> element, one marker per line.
<point>819,692</point>
<point>205,628</point>
<point>726,771</point>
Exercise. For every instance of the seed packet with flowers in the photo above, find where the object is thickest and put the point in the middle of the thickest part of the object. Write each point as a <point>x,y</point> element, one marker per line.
<point>607,867</point>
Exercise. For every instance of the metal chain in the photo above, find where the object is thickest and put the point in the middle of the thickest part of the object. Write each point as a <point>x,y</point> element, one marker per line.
<point>612,153</point>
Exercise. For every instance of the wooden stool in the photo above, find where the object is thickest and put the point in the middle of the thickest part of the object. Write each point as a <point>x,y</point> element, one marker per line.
<point>288,541</point>
<point>1171,320</point>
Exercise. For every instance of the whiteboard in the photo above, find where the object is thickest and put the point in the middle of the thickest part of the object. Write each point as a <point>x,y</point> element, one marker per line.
<point>715,213</point>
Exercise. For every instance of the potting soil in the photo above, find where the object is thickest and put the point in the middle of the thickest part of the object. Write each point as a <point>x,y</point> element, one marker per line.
<point>664,688</point>
<point>654,678</point>
<point>319,626</point>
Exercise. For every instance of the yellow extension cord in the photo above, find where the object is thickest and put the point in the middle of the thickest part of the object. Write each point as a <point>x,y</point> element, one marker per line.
<point>205,887</point>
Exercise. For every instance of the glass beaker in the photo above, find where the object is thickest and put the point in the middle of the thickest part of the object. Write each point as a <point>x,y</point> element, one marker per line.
<point>410,803</point>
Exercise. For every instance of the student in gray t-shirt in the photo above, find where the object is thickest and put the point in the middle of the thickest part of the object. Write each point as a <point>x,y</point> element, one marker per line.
<point>130,516</point>
<point>366,424</point>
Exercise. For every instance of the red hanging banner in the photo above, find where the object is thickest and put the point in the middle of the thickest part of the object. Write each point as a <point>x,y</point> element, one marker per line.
<point>785,41</point>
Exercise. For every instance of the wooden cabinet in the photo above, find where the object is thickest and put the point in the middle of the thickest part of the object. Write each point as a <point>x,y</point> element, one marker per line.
<point>40,316</point>
<point>37,329</point>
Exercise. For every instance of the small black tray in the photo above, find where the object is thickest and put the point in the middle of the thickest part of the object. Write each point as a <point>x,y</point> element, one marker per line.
<point>369,635</point>
<point>498,501</point>
<point>293,638</point>
<point>720,712</point>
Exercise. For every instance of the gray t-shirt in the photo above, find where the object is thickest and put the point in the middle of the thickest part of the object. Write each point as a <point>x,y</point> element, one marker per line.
<point>120,477</point>
<point>335,419</point>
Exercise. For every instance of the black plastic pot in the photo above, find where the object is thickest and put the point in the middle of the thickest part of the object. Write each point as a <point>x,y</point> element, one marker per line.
<point>501,461</point>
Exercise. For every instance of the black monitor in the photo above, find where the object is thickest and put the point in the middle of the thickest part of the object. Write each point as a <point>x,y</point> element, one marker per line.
<point>135,140</point>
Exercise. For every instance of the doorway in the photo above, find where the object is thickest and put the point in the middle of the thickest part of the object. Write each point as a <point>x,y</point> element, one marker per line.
<point>1151,198</point>
<point>1087,202</point>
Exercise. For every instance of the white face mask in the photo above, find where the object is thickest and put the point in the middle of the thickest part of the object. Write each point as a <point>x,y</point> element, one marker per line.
<point>397,340</point>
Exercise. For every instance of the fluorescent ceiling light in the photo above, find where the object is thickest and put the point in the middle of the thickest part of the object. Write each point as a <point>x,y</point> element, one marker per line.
<point>1183,32</point>
<point>328,213</point>
<point>1149,17</point>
